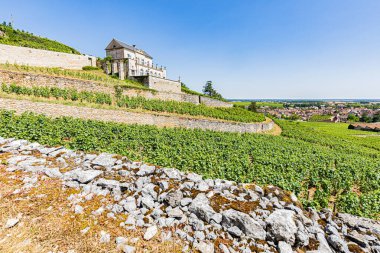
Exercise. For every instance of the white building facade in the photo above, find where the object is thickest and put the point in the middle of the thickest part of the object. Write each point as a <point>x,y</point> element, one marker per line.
<point>129,61</point>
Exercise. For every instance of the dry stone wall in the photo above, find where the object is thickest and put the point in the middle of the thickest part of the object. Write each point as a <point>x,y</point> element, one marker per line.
<point>31,79</point>
<point>43,58</point>
<point>127,117</point>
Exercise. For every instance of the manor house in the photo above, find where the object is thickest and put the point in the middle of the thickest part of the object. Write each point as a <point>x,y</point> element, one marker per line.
<point>136,64</point>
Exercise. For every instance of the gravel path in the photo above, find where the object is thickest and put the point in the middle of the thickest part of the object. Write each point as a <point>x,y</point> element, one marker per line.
<point>57,110</point>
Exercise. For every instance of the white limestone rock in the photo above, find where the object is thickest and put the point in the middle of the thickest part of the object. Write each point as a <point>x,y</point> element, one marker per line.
<point>11,222</point>
<point>150,233</point>
<point>281,224</point>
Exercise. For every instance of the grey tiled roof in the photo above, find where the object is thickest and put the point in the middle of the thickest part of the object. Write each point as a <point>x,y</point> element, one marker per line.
<point>124,45</point>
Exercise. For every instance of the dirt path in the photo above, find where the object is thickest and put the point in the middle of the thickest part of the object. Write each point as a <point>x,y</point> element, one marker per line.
<point>276,130</point>
<point>57,110</point>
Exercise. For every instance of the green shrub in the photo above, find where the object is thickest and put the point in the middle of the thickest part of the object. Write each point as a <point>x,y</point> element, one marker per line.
<point>90,68</point>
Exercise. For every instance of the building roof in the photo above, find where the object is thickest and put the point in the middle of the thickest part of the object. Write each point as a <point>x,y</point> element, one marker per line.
<point>117,44</point>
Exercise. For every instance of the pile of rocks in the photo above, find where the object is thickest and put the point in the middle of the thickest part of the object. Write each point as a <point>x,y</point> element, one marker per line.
<point>210,215</point>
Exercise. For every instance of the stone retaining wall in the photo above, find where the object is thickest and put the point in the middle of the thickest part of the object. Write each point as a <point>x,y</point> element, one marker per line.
<point>32,79</point>
<point>159,84</point>
<point>121,116</point>
<point>44,58</point>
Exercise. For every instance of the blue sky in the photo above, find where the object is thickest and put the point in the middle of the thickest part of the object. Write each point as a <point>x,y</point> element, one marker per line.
<point>248,48</point>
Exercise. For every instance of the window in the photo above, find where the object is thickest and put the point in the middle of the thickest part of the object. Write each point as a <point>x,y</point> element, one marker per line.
<point>141,72</point>
<point>146,72</point>
<point>142,61</point>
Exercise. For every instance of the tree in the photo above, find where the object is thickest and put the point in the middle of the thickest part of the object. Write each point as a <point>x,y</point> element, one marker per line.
<point>183,85</point>
<point>352,118</point>
<point>376,117</point>
<point>209,90</point>
<point>365,118</point>
<point>252,107</point>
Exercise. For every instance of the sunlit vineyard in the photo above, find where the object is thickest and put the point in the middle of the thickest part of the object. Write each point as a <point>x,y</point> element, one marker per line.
<point>233,113</point>
<point>22,38</point>
<point>155,105</point>
<point>97,75</point>
<point>320,167</point>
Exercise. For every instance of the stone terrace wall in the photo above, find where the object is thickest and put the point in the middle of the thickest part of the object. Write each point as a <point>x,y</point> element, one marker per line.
<point>159,84</point>
<point>213,102</point>
<point>31,79</point>
<point>43,58</point>
<point>126,117</point>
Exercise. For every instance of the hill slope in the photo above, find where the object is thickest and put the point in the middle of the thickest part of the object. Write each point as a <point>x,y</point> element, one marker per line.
<point>51,196</point>
<point>15,37</point>
<point>321,169</point>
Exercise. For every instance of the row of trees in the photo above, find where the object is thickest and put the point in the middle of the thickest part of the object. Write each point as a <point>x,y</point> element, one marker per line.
<point>6,24</point>
<point>364,118</point>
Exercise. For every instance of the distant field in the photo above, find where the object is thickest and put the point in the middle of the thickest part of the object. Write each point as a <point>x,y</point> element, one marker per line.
<point>260,104</point>
<point>326,165</point>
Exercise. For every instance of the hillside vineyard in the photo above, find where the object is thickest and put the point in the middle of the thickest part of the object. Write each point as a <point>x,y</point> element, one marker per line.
<point>302,160</point>
<point>208,214</point>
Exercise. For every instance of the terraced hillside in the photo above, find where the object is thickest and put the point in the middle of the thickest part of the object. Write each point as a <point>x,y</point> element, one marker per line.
<point>322,169</point>
<point>94,75</point>
<point>15,37</point>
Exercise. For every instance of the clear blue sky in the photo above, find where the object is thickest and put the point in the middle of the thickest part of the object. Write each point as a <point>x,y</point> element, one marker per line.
<point>248,48</point>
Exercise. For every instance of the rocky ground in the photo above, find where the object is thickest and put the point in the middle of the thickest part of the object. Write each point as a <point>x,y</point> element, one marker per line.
<point>143,208</point>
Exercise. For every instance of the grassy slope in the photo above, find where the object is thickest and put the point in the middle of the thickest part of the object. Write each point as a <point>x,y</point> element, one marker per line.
<point>306,159</point>
<point>24,39</point>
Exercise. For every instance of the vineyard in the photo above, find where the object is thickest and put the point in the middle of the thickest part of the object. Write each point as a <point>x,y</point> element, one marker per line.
<point>233,114</point>
<point>94,75</point>
<point>20,38</point>
<point>317,164</point>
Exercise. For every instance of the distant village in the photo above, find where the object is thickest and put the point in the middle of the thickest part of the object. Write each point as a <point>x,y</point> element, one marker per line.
<point>328,112</point>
